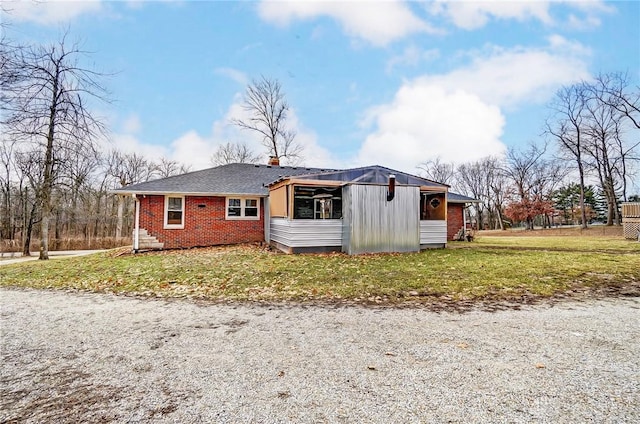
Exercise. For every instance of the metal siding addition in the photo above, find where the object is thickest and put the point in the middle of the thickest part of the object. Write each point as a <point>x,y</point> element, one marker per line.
<point>306,233</point>
<point>433,232</point>
<point>372,224</point>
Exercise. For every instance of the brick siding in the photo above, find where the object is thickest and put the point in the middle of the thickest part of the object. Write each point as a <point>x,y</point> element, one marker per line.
<point>455,219</point>
<point>204,223</point>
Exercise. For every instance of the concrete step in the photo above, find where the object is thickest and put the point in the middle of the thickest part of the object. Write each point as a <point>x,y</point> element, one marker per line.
<point>150,245</point>
<point>147,241</point>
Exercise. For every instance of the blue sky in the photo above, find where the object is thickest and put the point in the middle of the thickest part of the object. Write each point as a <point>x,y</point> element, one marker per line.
<point>389,83</point>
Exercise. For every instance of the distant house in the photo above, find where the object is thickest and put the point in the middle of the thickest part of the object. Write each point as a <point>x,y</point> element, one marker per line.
<point>296,209</point>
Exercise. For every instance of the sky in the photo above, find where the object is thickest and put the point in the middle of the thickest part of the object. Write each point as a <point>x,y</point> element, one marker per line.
<point>391,83</point>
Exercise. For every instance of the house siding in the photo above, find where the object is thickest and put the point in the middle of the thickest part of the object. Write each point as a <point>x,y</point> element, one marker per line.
<point>204,223</point>
<point>372,224</point>
<point>306,233</point>
<point>455,219</point>
<point>433,233</point>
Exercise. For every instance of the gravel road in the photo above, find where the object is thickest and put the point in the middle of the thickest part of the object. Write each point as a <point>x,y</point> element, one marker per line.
<point>99,358</point>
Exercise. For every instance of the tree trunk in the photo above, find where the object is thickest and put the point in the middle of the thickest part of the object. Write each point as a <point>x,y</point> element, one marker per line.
<point>47,177</point>
<point>583,211</point>
<point>120,217</point>
<point>26,247</point>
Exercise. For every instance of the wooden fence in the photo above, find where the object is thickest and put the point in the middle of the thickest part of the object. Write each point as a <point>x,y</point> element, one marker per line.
<point>631,220</point>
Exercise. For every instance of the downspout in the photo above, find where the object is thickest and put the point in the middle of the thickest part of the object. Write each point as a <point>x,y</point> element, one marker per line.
<point>136,229</point>
<point>267,220</point>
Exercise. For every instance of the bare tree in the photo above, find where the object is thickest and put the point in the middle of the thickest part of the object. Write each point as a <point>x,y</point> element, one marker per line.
<point>49,108</point>
<point>485,181</point>
<point>167,168</point>
<point>567,127</point>
<point>234,153</point>
<point>614,92</point>
<point>265,102</point>
<point>602,134</point>
<point>437,170</point>
<point>528,170</point>
<point>126,168</point>
<point>496,191</point>
<point>471,182</point>
<point>6,171</point>
<point>29,165</point>
<point>610,92</point>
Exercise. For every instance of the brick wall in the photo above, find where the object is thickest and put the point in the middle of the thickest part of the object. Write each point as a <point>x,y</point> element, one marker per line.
<point>204,223</point>
<point>455,220</point>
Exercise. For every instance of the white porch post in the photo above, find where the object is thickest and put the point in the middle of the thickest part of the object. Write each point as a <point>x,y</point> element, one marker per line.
<point>464,218</point>
<point>136,229</point>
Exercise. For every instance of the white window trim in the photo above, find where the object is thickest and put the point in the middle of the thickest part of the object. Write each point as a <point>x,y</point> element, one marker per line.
<point>168,226</point>
<point>242,206</point>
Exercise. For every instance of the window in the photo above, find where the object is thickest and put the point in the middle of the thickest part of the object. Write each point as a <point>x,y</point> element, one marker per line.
<point>250,207</point>
<point>174,212</point>
<point>234,208</point>
<point>317,202</point>
<point>243,208</point>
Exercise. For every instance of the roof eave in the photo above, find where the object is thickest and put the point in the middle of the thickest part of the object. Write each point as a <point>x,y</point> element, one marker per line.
<point>183,193</point>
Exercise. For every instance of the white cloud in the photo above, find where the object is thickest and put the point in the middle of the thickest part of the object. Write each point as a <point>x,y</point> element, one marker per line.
<point>132,124</point>
<point>313,154</point>
<point>129,143</point>
<point>50,12</point>
<point>475,14</point>
<point>575,22</point>
<point>378,23</point>
<point>425,121</point>
<point>412,56</point>
<point>195,149</point>
<point>508,77</point>
<point>459,116</point>
<point>472,15</point>
<point>233,74</point>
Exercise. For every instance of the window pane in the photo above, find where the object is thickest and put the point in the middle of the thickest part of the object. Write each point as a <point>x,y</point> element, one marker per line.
<point>234,207</point>
<point>175,204</point>
<point>174,217</point>
<point>251,203</point>
<point>250,211</point>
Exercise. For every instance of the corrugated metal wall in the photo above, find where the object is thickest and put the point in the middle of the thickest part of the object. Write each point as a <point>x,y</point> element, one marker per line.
<point>372,224</point>
<point>306,232</point>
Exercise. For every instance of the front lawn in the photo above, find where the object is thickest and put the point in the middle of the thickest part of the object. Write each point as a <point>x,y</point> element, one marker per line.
<point>479,272</point>
<point>563,243</point>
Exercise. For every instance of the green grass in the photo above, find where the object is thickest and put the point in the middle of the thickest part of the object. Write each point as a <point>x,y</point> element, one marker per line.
<point>586,244</point>
<point>516,270</point>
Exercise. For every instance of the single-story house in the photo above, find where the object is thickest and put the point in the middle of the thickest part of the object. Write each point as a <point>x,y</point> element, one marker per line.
<point>296,209</point>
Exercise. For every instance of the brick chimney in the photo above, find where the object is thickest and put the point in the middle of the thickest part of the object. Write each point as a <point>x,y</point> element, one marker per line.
<point>274,161</point>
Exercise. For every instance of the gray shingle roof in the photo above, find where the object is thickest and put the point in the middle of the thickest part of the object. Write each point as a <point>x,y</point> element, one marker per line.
<point>459,198</point>
<point>372,174</point>
<point>235,178</point>
<point>249,179</point>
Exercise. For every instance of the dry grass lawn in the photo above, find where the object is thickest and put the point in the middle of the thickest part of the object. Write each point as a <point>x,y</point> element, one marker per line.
<point>501,268</point>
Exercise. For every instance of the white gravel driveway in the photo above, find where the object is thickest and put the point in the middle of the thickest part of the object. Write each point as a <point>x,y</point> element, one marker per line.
<point>100,358</point>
